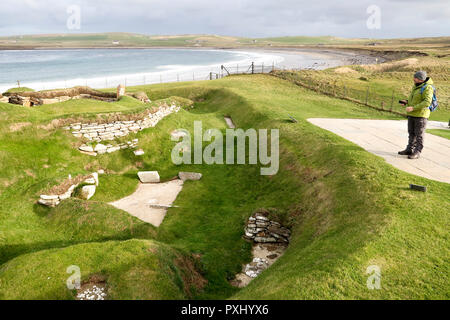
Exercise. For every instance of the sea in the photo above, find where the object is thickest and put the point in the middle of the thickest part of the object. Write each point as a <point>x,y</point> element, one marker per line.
<point>105,68</point>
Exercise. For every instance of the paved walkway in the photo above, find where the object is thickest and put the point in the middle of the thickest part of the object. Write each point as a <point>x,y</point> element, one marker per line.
<point>386,137</point>
<point>150,201</point>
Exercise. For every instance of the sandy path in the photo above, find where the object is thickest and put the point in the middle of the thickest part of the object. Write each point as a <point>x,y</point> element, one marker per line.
<point>150,201</point>
<point>386,137</point>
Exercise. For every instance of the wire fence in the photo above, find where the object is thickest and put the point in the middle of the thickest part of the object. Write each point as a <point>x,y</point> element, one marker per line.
<point>383,101</point>
<point>147,79</point>
<point>368,96</point>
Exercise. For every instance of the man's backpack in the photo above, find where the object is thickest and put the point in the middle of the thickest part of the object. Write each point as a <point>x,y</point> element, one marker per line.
<point>434,102</point>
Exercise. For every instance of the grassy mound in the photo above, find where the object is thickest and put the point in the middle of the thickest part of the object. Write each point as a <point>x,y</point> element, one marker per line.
<point>348,209</point>
<point>134,269</point>
<point>19,90</point>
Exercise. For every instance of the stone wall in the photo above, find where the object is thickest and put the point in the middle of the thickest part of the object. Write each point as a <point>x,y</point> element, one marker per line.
<point>110,131</point>
<point>262,230</point>
<point>87,191</point>
<point>101,148</point>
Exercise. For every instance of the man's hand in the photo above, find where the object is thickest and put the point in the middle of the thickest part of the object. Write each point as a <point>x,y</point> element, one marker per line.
<point>409,109</point>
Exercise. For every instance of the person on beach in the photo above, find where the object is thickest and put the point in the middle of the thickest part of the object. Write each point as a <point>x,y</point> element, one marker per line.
<point>417,110</point>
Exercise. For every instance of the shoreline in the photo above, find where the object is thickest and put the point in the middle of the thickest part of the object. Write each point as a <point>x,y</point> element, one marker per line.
<point>282,58</point>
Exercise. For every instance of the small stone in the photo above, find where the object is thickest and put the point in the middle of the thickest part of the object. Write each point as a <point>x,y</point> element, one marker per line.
<point>100,148</point>
<point>94,154</point>
<point>265,240</point>
<point>90,181</point>
<point>88,192</point>
<point>189,176</point>
<point>149,176</point>
<point>139,152</point>
<point>86,148</point>
<point>95,177</point>
<point>113,149</point>
<point>47,197</point>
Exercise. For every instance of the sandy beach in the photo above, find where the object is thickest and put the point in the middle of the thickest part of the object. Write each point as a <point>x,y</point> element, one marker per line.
<point>100,75</point>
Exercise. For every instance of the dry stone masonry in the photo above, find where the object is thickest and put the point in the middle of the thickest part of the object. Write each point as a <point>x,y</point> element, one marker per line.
<point>270,240</point>
<point>99,132</point>
<point>261,230</point>
<point>100,148</point>
<point>87,191</point>
<point>110,131</point>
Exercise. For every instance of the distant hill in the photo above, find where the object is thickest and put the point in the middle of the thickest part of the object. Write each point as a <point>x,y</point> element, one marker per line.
<point>107,40</point>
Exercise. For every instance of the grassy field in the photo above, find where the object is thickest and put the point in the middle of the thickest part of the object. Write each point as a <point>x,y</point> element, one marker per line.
<point>381,85</point>
<point>197,40</point>
<point>348,209</point>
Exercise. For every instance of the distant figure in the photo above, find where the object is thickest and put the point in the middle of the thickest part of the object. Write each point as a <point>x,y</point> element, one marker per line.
<point>417,109</point>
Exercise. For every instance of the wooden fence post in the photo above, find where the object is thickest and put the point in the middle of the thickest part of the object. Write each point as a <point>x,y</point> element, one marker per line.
<point>392,100</point>
<point>367,95</point>
<point>253,68</point>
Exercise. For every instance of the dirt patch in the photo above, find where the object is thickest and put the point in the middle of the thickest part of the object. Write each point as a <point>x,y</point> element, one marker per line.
<point>19,126</point>
<point>343,70</point>
<point>192,278</point>
<point>65,185</point>
<point>391,66</point>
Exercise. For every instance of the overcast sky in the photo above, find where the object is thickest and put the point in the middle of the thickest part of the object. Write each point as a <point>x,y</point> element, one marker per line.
<point>248,18</point>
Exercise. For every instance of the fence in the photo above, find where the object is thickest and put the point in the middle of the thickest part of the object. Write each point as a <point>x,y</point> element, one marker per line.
<point>147,79</point>
<point>367,96</point>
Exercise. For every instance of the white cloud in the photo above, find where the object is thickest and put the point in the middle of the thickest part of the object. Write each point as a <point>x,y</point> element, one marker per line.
<point>253,18</point>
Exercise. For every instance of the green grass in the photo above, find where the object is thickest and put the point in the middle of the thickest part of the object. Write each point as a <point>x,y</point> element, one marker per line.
<point>17,90</point>
<point>440,132</point>
<point>133,269</point>
<point>386,84</point>
<point>348,209</point>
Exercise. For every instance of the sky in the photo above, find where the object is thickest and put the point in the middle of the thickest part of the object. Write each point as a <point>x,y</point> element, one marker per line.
<point>246,18</point>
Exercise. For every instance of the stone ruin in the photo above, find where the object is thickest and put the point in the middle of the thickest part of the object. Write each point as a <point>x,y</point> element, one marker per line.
<point>31,98</point>
<point>87,191</point>
<point>101,148</point>
<point>260,229</point>
<point>98,132</point>
<point>270,241</point>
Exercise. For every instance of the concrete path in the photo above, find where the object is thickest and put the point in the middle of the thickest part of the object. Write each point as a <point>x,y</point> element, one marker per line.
<point>150,201</point>
<point>386,137</point>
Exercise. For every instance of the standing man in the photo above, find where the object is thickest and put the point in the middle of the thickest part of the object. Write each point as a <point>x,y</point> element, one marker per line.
<point>418,112</point>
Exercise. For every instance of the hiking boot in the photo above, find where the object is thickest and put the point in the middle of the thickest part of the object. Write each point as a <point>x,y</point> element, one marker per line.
<point>415,155</point>
<point>405,152</point>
